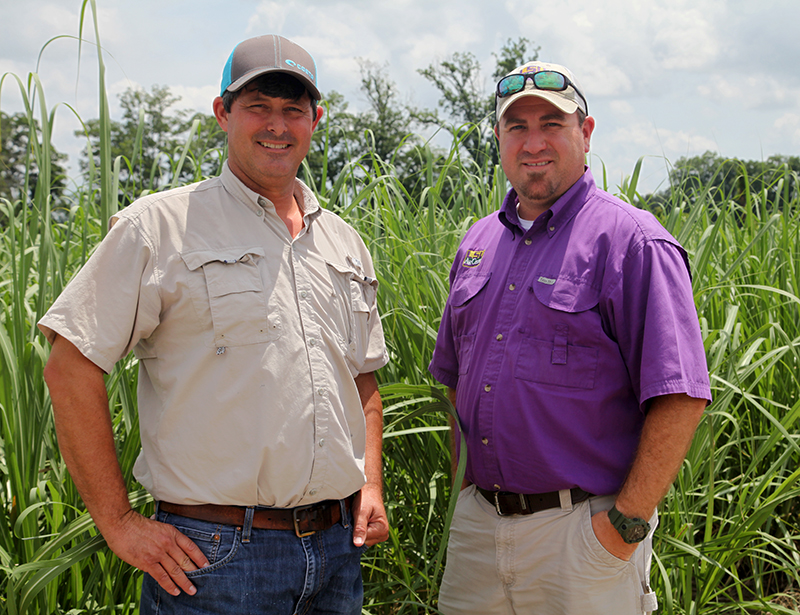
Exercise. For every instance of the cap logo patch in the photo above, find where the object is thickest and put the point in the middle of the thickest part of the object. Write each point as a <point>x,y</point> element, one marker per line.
<point>302,68</point>
<point>473,258</point>
<point>529,69</point>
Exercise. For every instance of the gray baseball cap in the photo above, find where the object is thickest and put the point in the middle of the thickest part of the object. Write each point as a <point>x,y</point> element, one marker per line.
<point>269,54</point>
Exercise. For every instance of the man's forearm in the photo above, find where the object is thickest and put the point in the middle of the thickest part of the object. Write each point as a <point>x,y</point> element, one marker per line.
<point>666,436</point>
<point>84,431</point>
<point>451,395</point>
<point>86,440</point>
<point>373,416</point>
<point>369,514</point>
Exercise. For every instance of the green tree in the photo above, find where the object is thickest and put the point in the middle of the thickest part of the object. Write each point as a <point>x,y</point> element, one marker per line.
<point>468,102</point>
<point>19,173</point>
<point>385,129</point>
<point>734,179</point>
<point>150,141</point>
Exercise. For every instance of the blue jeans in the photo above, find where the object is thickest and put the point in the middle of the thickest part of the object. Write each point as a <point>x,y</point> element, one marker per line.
<point>264,571</point>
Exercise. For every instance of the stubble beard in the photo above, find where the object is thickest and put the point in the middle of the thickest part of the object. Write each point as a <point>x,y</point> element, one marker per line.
<point>537,188</point>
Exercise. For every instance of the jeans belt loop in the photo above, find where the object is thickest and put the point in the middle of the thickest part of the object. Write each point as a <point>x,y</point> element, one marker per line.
<point>247,527</point>
<point>343,512</point>
<point>565,499</point>
<point>297,531</point>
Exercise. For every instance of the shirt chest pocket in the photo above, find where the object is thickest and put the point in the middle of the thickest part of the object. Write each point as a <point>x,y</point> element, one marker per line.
<point>357,293</point>
<point>560,341</point>
<point>466,305</point>
<point>227,289</point>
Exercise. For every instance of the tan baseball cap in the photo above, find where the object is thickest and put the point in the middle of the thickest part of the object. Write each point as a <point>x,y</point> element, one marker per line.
<point>552,82</point>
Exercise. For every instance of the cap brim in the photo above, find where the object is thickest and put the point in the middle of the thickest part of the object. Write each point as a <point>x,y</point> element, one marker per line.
<point>248,77</point>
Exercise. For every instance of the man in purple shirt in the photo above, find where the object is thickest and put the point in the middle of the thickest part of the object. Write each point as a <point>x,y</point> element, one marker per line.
<point>572,350</point>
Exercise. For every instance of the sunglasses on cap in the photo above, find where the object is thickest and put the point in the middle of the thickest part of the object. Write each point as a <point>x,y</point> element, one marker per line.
<point>549,80</point>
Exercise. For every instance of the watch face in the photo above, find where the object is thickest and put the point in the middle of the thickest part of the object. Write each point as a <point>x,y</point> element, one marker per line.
<point>636,533</point>
<point>631,530</point>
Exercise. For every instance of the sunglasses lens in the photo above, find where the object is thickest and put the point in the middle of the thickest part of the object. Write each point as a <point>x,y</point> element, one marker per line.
<point>510,85</point>
<point>549,80</point>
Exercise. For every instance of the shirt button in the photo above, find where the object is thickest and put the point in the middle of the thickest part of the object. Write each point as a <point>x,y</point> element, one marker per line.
<point>528,241</point>
<point>487,388</point>
<point>552,228</point>
<point>312,492</point>
<point>312,343</point>
<point>321,392</point>
<point>497,487</point>
<point>303,294</point>
<point>322,441</point>
<point>259,213</point>
<point>499,337</point>
<point>485,440</point>
<point>512,287</point>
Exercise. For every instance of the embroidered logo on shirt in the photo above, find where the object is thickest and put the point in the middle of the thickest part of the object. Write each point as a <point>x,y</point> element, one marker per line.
<point>544,280</point>
<point>473,258</point>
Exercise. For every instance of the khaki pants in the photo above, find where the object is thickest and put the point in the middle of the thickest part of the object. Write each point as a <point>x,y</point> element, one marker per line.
<point>547,563</point>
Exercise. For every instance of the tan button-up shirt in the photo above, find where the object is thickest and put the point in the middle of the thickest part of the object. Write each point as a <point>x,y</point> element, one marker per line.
<point>248,341</point>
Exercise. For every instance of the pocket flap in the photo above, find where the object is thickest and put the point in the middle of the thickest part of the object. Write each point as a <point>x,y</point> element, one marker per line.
<point>466,287</point>
<point>197,258</point>
<point>565,294</point>
<point>365,289</point>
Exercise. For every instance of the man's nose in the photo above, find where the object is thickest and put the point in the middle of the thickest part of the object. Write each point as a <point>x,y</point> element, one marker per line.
<point>535,141</point>
<point>275,123</point>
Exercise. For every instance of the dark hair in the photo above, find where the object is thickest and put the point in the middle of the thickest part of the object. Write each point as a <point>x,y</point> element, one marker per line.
<point>275,85</point>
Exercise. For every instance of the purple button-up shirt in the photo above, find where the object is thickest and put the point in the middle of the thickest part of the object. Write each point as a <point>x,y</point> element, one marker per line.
<point>555,338</point>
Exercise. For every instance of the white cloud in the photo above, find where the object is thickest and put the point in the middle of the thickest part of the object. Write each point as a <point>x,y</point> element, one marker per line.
<point>751,90</point>
<point>196,98</point>
<point>647,139</point>
<point>711,74</point>
<point>685,38</point>
<point>788,125</point>
<point>269,17</point>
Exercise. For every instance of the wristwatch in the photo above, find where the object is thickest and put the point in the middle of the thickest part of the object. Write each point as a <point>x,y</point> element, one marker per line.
<point>632,530</point>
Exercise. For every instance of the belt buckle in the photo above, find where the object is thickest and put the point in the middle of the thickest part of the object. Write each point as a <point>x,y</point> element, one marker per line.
<point>522,503</point>
<point>296,521</point>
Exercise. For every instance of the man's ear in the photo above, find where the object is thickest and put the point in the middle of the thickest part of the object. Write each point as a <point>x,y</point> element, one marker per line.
<point>587,129</point>
<point>220,113</point>
<point>320,113</point>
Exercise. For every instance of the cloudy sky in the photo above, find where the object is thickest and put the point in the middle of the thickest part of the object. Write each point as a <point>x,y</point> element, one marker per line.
<point>664,78</point>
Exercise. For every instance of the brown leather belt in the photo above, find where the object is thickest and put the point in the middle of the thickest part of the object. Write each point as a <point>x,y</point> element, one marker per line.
<point>303,520</point>
<point>507,503</point>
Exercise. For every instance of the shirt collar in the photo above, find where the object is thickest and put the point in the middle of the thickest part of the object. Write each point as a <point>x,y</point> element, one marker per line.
<point>567,205</point>
<point>255,202</point>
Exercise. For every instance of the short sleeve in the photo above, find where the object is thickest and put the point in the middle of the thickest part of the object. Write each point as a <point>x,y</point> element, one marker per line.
<point>652,315</point>
<point>112,302</point>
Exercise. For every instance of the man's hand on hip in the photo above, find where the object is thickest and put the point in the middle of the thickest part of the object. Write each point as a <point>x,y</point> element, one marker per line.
<point>370,525</point>
<point>610,538</point>
<point>157,549</point>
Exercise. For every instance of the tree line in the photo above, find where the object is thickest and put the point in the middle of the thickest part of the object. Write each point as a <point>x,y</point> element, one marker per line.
<point>158,145</point>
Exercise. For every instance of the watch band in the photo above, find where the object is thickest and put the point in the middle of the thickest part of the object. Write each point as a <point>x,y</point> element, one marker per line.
<point>632,530</point>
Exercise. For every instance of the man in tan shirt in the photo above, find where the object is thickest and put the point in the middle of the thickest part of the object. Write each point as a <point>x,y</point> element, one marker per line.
<point>252,312</point>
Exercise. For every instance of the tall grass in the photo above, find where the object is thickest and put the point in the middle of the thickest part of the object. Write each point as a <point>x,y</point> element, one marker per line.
<point>727,540</point>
